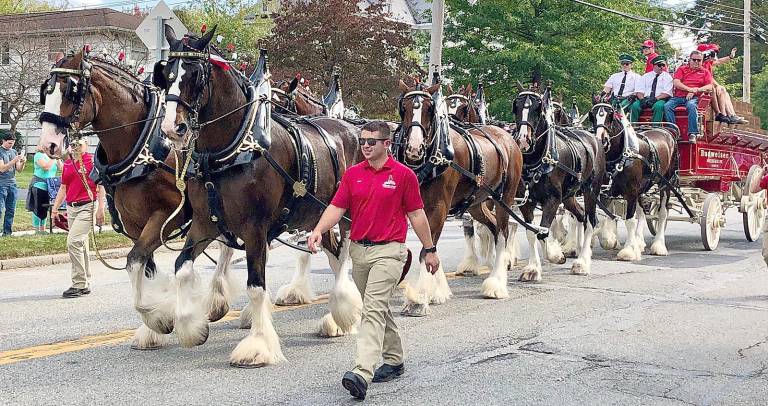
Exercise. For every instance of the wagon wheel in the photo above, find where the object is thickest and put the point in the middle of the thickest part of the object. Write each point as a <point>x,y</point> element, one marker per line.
<point>711,221</point>
<point>652,218</point>
<point>752,206</point>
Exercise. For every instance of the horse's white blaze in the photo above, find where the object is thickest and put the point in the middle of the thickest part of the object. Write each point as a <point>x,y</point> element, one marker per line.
<point>416,137</point>
<point>600,118</point>
<point>169,121</point>
<point>53,106</point>
<point>262,345</point>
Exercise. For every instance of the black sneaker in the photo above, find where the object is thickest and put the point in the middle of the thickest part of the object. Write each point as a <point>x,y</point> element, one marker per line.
<point>355,384</point>
<point>723,118</point>
<point>386,373</point>
<point>85,291</point>
<point>73,292</point>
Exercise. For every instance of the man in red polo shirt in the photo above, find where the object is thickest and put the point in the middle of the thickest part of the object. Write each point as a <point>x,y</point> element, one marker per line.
<point>80,207</point>
<point>649,51</point>
<point>689,83</point>
<point>381,195</point>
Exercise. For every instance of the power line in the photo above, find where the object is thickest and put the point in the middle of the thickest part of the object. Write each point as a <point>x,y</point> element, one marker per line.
<point>653,21</point>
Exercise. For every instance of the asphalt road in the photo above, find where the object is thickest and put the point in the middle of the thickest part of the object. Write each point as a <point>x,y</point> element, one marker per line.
<point>689,328</point>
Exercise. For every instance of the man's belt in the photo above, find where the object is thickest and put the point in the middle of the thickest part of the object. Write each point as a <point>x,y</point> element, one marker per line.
<point>369,243</point>
<point>79,204</point>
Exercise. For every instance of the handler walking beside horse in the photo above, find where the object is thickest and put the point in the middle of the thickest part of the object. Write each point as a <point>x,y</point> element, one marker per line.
<point>80,207</point>
<point>379,193</point>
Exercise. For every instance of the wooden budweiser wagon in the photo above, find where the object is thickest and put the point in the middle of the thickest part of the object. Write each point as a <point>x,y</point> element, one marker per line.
<point>715,173</point>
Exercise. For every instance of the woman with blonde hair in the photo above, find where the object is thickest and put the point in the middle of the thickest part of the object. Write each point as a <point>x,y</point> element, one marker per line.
<point>38,196</point>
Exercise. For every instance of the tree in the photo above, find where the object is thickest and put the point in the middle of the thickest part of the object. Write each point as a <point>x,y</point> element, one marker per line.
<point>242,25</point>
<point>27,69</point>
<point>316,37</point>
<point>577,48</point>
<point>26,6</point>
<point>760,95</point>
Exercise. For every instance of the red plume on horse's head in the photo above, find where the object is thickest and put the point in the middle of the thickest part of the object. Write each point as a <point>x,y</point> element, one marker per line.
<point>231,47</point>
<point>204,28</point>
<point>121,56</point>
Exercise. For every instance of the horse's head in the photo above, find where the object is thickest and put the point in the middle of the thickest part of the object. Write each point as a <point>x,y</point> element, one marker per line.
<point>69,100</point>
<point>455,101</point>
<point>528,108</point>
<point>294,97</point>
<point>465,105</point>
<point>185,76</point>
<point>417,115</point>
<point>603,118</point>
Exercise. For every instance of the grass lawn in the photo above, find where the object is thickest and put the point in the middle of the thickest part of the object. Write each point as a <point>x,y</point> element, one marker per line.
<point>31,245</point>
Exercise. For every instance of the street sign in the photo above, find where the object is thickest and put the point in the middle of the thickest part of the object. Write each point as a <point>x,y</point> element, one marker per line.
<point>150,31</point>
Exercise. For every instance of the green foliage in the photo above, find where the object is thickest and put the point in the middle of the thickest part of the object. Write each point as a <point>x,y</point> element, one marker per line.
<point>500,42</point>
<point>241,24</point>
<point>760,95</point>
<point>26,6</point>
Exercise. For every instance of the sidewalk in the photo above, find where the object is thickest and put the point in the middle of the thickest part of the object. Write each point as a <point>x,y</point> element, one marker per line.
<point>51,259</point>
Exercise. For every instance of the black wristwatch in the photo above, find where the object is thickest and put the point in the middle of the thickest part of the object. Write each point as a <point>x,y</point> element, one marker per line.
<point>433,249</point>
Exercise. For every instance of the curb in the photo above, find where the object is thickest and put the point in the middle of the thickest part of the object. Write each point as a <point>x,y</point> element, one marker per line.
<point>13,264</point>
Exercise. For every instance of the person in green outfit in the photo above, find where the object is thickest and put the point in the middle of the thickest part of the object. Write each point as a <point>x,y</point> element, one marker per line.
<point>38,198</point>
<point>654,90</point>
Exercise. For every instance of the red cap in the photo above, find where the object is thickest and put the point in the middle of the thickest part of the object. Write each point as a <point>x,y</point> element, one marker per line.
<point>649,43</point>
<point>708,47</point>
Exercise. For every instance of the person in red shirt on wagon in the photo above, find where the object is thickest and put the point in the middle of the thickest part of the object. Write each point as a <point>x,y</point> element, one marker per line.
<point>689,83</point>
<point>721,102</point>
<point>380,194</point>
<point>81,203</point>
<point>649,51</point>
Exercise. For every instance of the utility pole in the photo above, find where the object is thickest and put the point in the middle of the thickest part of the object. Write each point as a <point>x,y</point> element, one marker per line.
<point>436,44</point>
<point>746,79</point>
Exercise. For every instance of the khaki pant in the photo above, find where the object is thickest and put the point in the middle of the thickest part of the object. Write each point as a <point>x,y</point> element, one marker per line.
<point>80,224</point>
<point>376,271</point>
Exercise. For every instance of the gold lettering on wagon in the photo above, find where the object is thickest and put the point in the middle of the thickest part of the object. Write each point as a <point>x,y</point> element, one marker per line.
<point>713,158</point>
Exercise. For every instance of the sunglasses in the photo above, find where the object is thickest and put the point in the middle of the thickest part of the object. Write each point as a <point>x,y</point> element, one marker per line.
<point>696,60</point>
<point>370,141</point>
<point>626,63</point>
<point>661,65</point>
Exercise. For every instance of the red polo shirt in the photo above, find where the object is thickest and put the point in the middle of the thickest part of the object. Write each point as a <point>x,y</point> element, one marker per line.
<point>379,200</point>
<point>648,64</point>
<point>70,177</point>
<point>691,78</point>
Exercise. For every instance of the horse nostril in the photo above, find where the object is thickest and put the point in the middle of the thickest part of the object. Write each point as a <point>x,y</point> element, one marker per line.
<point>181,129</point>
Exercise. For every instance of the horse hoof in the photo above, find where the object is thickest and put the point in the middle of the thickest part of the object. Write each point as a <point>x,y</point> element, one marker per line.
<point>140,348</point>
<point>218,313</point>
<point>415,310</point>
<point>530,276</point>
<point>570,253</point>
<point>579,269</point>
<point>247,366</point>
<point>160,325</point>
<point>195,336</point>
<point>560,260</point>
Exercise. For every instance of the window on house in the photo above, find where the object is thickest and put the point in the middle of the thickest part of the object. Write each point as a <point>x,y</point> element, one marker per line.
<point>5,53</point>
<point>5,114</point>
<point>264,7</point>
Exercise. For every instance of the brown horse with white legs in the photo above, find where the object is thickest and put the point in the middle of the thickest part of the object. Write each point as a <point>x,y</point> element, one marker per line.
<point>489,159</point>
<point>136,169</point>
<point>635,163</point>
<point>236,147</point>
<point>291,98</point>
<point>560,163</point>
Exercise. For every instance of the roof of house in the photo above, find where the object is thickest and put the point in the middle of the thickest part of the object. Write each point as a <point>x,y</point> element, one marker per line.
<point>68,20</point>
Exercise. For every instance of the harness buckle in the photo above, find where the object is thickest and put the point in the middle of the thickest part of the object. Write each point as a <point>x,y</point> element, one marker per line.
<point>300,188</point>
